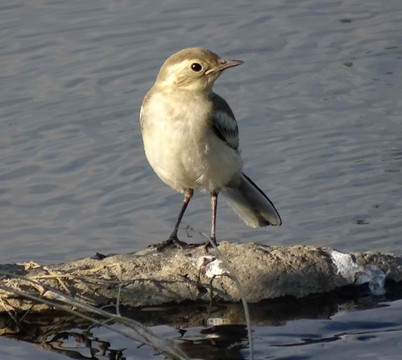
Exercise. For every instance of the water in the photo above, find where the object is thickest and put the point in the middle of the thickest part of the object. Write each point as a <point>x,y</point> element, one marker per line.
<point>317,100</point>
<point>368,334</point>
<point>315,328</point>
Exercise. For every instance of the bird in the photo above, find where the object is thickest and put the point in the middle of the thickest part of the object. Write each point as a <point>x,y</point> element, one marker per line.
<point>191,140</point>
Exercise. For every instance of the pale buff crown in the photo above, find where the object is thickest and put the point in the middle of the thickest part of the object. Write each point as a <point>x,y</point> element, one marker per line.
<point>193,69</point>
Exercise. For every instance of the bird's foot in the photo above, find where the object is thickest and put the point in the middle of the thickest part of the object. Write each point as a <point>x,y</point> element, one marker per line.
<point>208,245</point>
<point>173,240</point>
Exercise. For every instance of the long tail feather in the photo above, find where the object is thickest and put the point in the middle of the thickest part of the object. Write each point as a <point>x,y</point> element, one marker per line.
<point>251,204</point>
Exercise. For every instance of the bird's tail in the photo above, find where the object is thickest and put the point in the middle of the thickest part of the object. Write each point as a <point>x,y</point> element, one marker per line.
<point>251,204</point>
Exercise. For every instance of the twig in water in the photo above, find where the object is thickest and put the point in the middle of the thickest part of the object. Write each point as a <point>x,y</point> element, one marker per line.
<point>65,302</point>
<point>239,288</point>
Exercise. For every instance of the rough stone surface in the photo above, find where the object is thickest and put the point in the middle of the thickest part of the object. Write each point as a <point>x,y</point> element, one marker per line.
<point>149,277</point>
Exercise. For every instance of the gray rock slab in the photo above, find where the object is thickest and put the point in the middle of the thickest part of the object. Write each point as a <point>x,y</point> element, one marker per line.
<point>151,278</point>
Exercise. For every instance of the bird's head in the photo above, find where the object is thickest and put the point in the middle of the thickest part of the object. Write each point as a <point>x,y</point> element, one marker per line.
<point>193,69</point>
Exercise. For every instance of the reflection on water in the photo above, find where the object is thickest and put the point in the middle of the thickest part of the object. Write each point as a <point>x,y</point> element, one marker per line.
<point>281,327</point>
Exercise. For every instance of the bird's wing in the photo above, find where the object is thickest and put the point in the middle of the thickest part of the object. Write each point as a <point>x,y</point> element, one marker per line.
<point>224,123</point>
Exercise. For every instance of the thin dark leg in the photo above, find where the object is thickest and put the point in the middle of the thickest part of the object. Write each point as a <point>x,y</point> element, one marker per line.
<point>214,203</point>
<point>173,236</point>
<point>173,239</point>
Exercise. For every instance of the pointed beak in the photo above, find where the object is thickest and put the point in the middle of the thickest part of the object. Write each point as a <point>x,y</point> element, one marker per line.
<point>223,65</point>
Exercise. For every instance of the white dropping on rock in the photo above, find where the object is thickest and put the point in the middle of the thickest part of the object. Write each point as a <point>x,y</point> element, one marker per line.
<point>213,266</point>
<point>215,321</point>
<point>357,274</point>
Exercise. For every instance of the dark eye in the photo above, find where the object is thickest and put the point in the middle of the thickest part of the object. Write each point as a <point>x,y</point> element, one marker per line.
<point>196,67</point>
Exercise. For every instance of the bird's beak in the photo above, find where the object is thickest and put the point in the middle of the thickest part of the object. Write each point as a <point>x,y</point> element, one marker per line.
<point>223,65</point>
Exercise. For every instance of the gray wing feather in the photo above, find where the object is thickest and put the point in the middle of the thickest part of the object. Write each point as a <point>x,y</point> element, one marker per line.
<point>224,123</point>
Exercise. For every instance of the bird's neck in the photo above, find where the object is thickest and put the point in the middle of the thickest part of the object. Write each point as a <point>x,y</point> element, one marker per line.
<point>184,90</point>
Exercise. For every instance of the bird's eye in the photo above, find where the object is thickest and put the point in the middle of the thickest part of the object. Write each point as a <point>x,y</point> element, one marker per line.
<point>196,67</point>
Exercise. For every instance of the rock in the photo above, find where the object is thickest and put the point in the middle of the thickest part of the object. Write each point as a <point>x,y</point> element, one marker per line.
<point>151,278</point>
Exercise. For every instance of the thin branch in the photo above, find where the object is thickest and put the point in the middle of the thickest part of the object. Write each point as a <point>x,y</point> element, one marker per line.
<point>145,335</point>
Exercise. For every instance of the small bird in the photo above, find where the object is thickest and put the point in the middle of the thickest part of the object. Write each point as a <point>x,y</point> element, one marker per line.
<point>191,139</point>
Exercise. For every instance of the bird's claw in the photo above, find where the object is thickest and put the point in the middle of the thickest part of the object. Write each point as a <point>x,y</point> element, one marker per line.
<point>174,240</point>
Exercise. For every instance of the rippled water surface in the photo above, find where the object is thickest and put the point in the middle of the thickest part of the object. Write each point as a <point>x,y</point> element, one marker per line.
<point>318,101</point>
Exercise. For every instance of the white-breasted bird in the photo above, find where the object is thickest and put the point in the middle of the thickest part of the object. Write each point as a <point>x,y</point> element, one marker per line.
<point>191,139</point>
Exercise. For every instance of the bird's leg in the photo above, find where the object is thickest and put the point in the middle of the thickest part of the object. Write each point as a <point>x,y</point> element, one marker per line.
<point>173,239</point>
<point>214,203</point>
<point>173,236</point>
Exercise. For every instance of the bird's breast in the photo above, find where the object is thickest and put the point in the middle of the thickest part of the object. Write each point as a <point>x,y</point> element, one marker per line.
<point>182,148</point>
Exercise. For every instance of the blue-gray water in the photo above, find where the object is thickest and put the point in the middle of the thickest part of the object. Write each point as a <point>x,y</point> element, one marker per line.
<point>318,101</point>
